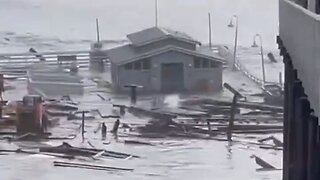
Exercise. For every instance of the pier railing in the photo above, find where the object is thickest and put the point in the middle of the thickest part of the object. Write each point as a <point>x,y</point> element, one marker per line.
<point>16,60</point>
<point>257,80</point>
<point>300,33</point>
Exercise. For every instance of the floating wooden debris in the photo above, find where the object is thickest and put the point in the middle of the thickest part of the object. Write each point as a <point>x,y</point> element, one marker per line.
<point>263,163</point>
<point>271,57</point>
<point>65,148</point>
<point>89,166</point>
<point>105,116</point>
<point>53,112</point>
<point>271,147</point>
<point>150,113</point>
<point>276,141</point>
<point>61,106</point>
<point>252,127</point>
<point>20,151</point>
<point>248,105</point>
<point>135,142</point>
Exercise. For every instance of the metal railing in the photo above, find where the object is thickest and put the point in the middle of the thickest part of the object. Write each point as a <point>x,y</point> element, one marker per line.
<point>255,79</point>
<point>20,60</point>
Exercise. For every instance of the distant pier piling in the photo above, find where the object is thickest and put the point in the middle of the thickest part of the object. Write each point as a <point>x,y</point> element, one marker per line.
<point>97,59</point>
<point>133,92</point>
<point>1,85</point>
<point>122,109</point>
<point>98,56</point>
<point>82,125</point>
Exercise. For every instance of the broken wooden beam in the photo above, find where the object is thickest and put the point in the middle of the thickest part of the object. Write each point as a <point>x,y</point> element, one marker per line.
<point>263,163</point>
<point>271,57</point>
<point>271,147</point>
<point>231,119</point>
<point>261,131</point>
<point>65,148</point>
<point>252,127</point>
<point>135,142</point>
<point>150,113</point>
<point>89,166</point>
<point>248,105</point>
<point>33,153</point>
<point>232,90</point>
<point>61,106</point>
<point>275,141</point>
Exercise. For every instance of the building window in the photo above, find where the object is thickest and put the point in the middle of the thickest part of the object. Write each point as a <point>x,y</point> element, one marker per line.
<point>137,65</point>
<point>128,66</point>
<point>143,64</point>
<point>146,63</point>
<point>197,63</point>
<point>204,63</point>
<point>303,3</point>
<point>213,64</point>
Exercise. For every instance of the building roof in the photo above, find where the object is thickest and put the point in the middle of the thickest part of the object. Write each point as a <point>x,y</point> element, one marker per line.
<point>128,53</point>
<point>158,33</point>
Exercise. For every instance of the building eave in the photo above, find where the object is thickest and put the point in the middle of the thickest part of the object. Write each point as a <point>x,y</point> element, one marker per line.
<point>166,37</point>
<point>166,49</point>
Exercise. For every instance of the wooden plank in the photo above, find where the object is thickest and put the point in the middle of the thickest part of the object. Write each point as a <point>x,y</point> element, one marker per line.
<point>249,105</point>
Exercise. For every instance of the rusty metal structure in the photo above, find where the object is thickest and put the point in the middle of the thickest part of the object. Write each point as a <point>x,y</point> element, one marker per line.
<point>30,115</point>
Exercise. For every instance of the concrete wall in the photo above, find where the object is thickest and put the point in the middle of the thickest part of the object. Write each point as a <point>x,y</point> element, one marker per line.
<point>166,42</point>
<point>300,33</point>
<point>151,79</point>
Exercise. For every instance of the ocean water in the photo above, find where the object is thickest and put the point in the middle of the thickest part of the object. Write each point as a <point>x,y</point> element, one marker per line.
<point>70,25</point>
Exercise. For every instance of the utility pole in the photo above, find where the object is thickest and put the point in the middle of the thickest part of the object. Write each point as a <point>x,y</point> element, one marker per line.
<point>98,33</point>
<point>210,31</point>
<point>156,13</point>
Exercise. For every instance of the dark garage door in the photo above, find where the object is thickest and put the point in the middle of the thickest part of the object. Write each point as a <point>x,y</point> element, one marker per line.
<point>172,77</point>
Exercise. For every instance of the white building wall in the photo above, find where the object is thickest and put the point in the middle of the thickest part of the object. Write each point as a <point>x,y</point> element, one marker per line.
<point>300,33</point>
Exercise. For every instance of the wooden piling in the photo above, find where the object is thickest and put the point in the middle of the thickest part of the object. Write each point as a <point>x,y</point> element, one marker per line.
<point>122,110</point>
<point>1,85</point>
<point>116,127</point>
<point>133,95</point>
<point>231,120</point>
<point>280,78</point>
<point>133,92</point>
<point>82,125</point>
<point>103,130</point>
<point>209,128</point>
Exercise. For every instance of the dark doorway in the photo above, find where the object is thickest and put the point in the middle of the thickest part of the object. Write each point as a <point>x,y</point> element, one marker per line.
<point>172,77</point>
